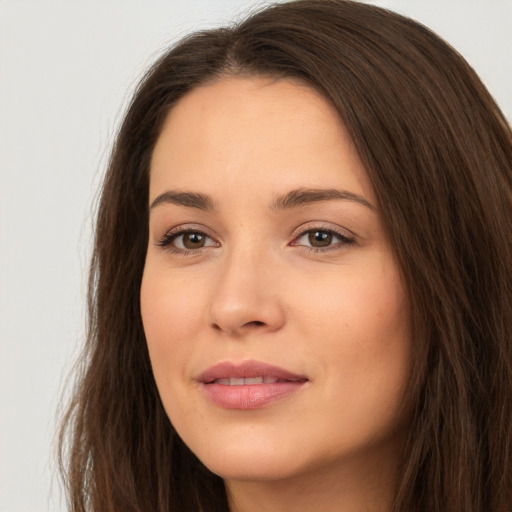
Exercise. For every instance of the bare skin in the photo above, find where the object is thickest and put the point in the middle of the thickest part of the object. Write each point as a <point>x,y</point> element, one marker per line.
<point>344,488</point>
<point>266,245</point>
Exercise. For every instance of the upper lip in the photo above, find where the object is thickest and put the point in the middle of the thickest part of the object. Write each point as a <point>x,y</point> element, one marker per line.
<point>247,369</point>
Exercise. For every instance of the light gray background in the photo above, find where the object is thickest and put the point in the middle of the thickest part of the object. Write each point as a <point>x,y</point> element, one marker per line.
<point>66,72</point>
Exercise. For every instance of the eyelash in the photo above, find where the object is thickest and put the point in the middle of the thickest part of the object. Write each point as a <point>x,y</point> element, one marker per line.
<point>167,240</point>
<point>343,240</point>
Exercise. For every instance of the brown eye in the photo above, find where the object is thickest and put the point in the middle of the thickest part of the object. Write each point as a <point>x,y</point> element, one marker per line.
<point>320,238</point>
<point>187,241</point>
<point>194,240</point>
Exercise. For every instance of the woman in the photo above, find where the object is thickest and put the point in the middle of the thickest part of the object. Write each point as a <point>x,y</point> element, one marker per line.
<point>300,295</point>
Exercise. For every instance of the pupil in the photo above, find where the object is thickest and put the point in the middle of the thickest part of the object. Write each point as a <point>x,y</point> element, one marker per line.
<point>320,239</point>
<point>193,240</point>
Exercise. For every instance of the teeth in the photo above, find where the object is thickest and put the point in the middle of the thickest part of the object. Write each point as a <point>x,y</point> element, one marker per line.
<point>240,381</point>
<point>254,380</point>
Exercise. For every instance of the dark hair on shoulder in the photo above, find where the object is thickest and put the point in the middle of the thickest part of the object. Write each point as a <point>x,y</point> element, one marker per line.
<point>438,152</point>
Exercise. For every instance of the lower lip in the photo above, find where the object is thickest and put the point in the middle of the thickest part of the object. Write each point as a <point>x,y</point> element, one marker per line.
<point>250,396</point>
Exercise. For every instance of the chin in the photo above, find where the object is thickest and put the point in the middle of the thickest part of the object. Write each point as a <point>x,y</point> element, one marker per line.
<point>263,469</point>
<point>249,460</point>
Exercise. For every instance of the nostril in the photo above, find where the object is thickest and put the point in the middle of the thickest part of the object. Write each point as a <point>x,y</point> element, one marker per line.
<point>255,323</point>
<point>248,325</point>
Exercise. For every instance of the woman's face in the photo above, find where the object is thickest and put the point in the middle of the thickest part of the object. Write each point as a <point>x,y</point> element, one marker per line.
<point>276,321</point>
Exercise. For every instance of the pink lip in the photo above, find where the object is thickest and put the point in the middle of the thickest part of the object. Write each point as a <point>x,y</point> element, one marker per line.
<point>249,396</point>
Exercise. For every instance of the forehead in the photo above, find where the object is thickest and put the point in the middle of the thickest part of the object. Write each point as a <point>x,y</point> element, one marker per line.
<point>238,131</point>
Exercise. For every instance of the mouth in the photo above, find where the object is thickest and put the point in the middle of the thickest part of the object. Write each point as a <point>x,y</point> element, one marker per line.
<point>249,381</point>
<point>249,385</point>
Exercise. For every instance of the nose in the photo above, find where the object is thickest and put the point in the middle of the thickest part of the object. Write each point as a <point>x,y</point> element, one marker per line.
<point>247,296</point>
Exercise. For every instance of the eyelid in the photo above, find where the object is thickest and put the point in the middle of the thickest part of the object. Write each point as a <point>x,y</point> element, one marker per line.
<point>345,236</point>
<point>323,226</point>
<point>174,240</point>
<point>165,241</point>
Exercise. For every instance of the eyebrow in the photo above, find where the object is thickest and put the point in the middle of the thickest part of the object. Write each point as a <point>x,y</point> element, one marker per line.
<point>189,199</point>
<point>304,196</point>
<point>292,199</point>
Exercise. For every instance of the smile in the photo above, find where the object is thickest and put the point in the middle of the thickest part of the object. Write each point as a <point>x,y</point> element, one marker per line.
<point>249,385</point>
<point>250,381</point>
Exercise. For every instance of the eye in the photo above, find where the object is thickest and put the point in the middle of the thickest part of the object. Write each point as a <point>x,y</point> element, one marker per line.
<point>322,239</point>
<point>186,240</point>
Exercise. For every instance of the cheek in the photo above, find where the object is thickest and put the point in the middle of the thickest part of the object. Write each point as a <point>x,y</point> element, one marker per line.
<point>360,324</point>
<point>380,351</point>
<point>171,320</point>
<point>169,303</point>
<point>357,309</point>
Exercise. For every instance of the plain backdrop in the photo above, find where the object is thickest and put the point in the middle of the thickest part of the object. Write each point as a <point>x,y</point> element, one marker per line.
<point>66,72</point>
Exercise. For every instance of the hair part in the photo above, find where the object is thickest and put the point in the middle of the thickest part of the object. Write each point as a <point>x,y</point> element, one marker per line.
<point>438,152</point>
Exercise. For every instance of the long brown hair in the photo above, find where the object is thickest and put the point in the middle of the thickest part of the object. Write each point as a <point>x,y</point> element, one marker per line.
<point>438,152</point>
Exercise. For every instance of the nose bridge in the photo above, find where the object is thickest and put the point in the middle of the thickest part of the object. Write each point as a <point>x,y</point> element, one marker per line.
<point>244,297</point>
